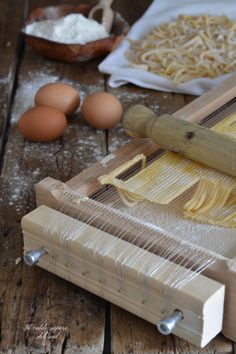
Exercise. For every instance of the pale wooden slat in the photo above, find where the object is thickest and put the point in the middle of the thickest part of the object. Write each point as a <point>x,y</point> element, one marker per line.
<point>209,102</point>
<point>87,182</point>
<point>86,264</point>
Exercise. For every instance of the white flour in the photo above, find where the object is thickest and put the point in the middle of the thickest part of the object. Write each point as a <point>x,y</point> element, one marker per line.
<point>56,159</point>
<point>27,88</point>
<point>71,29</point>
<point>106,159</point>
<point>170,218</point>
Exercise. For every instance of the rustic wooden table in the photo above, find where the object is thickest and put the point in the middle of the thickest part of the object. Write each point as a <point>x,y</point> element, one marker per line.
<point>39,312</point>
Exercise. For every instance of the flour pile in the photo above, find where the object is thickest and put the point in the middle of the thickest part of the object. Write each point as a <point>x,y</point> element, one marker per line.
<point>71,29</point>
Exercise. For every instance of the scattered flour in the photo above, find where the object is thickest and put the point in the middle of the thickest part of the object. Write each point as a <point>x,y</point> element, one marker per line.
<point>31,162</point>
<point>18,184</point>
<point>106,159</point>
<point>63,159</point>
<point>18,260</point>
<point>4,85</point>
<point>71,29</point>
<point>170,218</point>
<point>29,85</point>
<point>26,91</point>
<point>4,80</point>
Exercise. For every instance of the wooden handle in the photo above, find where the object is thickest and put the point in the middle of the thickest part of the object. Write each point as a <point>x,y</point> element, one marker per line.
<point>107,13</point>
<point>190,140</point>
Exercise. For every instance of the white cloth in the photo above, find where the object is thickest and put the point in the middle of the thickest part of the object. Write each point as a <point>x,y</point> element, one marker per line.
<point>161,11</point>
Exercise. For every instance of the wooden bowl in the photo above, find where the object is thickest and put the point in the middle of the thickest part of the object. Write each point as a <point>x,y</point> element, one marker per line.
<point>74,52</point>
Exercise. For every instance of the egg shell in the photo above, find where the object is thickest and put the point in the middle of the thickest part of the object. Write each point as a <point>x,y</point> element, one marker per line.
<point>42,123</point>
<point>58,95</point>
<point>102,110</point>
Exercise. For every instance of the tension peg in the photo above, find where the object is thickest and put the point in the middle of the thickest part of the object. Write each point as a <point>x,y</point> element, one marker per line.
<point>33,256</point>
<point>168,323</point>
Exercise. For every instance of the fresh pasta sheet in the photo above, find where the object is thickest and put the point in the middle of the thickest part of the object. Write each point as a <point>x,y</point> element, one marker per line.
<point>167,178</point>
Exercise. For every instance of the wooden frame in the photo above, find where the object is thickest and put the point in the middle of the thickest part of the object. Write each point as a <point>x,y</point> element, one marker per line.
<point>134,291</point>
<point>50,192</point>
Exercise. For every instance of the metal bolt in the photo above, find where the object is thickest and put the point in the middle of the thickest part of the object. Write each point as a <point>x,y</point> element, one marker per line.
<point>167,324</point>
<point>32,257</point>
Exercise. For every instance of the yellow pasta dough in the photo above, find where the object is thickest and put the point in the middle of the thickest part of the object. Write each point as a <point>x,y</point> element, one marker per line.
<point>214,199</point>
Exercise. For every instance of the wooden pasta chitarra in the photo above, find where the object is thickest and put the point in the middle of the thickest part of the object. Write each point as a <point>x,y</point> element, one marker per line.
<point>150,259</point>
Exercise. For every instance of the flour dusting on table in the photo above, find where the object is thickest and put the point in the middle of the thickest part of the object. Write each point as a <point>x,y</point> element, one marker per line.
<point>31,162</point>
<point>26,91</point>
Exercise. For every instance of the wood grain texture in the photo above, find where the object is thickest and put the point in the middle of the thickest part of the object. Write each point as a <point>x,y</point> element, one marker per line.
<point>37,297</point>
<point>191,141</point>
<point>211,101</point>
<point>10,47</point>
<point>49,192</point>
<point>140,338</point>
<point>130,334</point>
<point>219,345</point>
<point>33,295</point>
<point>97,272</point>
<point>133,335</point>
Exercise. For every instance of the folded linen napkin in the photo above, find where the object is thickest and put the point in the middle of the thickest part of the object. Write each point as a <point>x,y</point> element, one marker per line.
<point>161,11</point>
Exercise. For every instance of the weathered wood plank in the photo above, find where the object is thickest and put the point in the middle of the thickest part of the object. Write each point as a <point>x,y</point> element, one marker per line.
<point>131,334</point>
<point>25,164</point>
<point>10,47</point>
<point>35,297</point>
<point>217,346</point>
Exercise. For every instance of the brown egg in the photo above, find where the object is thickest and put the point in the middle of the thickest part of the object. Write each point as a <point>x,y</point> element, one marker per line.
<point>58,95</point>
<point>42,123</point>
<point>102,110</point>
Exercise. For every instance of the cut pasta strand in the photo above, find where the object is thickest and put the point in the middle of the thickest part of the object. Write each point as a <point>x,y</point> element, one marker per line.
<point>188,48</point>
<point>164,180</point>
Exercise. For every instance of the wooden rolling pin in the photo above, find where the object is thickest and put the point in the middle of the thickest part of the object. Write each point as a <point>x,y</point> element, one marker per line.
<point>190,140</point>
